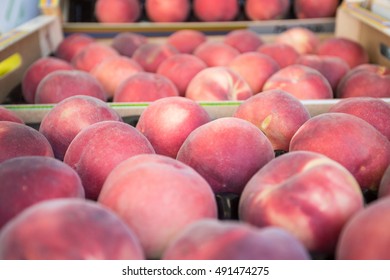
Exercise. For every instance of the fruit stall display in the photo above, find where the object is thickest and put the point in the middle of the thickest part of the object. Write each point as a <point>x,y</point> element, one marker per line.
<point>195,146</point>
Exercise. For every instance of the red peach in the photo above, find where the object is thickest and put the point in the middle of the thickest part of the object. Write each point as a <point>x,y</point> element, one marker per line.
<point>302,39</point>
<point>315,9</point>
<point>72,44</point>
<point>244,40</point>
<point>117,11</point>
<point>217,10</point>
<point>384,185</point>
<point>216,53</point>
<point>186,40</point>
<point>151,55</point>
<point>126,42</point>
<point>168,11</point>
<point>9,115</point>
<point>266,9</point>
<point>283,54</point>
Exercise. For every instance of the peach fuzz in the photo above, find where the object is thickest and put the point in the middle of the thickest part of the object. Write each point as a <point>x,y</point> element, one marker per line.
<point>283,54</point>
<point>266,9</point>
<point>72,44</point>
<point>145,87</point>
<point>67,118</point>
<point>186,40</point>
<point>92,55</point>
<point>126,42</point>
<point>302,39</point>
<point>216,53</point>
<point>315,9</point>
<point>101,146</point>
<point>218,83</point>
<point>167,11</point>
<point>207,239</point>
<point>217,10</point>
<point>226,152</point>
<point>28,180</point>
<point>117,11</point>
<point>350,51</point>
<point>7,114</point>
<point>244,40</point>
<point>112,72</point>
<point>349,140</point>
<point>276,113</point>
<point>37,71</point>
<point>62,84</point>
<point>160,120</point>
<point>301,81</point>
<point>366,235</point>
<point>384,185</point>
<point>18,140</point>
<point>305,193</point>
<point>151,55</point>
<point>373,110</point>
<point>255,68</point>
<point>68,229</point>
<point>157,197</point>
<point>180,69</point>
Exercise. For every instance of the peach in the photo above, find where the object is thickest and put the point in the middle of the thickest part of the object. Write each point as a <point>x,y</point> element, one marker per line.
<point>227,152</point>
<point>366,235</point>
<point>266,9</point>
<point>72,44</point>
<point>62,84</point>
<point>315,9</point>
<point>207,239</point>
<point>101,146</point>
<point>276,113</point>
<point>216,53</point>
<point>301,81</point>
<point>373,110</point>
<point>113,71</point>
<point>350,51</point>
<point>9,115</point>
<point>151,55</point>
<point>37,71</point>
<point>384,185</point>
<point>145,87</point>
<point>283,54</point>
<point>305,193</point>
<point>218,83</point>
<point>365,80</point>
<point>244,40</point>
<point>349,140</point>
<point>302,39</point>
<point>168,11</point>
<point>117,11</point>
<point>180,69</point>
<point>217,10</point>
<point>18,140</point>
<point>27,180</point>
<point>157,196</point>
<point>67,118</point>
<point>255,68</point>
<point>68,229</point>
<point>92,55</point>
<point>186,40</point>
<point>333,68</point>
<point>160,120</point>
<point>126,42</point>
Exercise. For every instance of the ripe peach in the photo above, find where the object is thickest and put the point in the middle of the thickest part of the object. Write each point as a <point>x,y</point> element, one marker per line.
<point>160,120</point>
<point>384,185</point>
<point>168,11</point>
<point>27,180</point>
<point>302,39</point>
<point>186,40</point>
<point>72,44</point>
<point>62,84</point>
<point>180,69</point>
<point>126,42</point>
<point>218,83</point>
<point>276,113</point>
<point>117,11</point>
<point>37,71</point>
<point>350,51</point>
<point>283,54</point>
<point>216,53</point>
<point>315,9</point>
<point>157,196</point>
<point>67,118</point>
<point>227,152</point>
<point>266,9</point>
<point>113,71</point>
<point>22,140</point>
<point>244,40</point>
<point>301,81</point>
<point>9,115</point>
<point>217,10</point>
<point>144,87</point>
<point>255,68</point>
<point>101,146</point>
<point>68,229</point>
<point>151,55</point>
<point>349,140</point>
<point>207,239</point>
<point>307,194</point>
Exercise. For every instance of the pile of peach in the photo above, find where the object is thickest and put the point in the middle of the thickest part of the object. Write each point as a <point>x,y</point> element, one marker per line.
<point>88,185</point>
